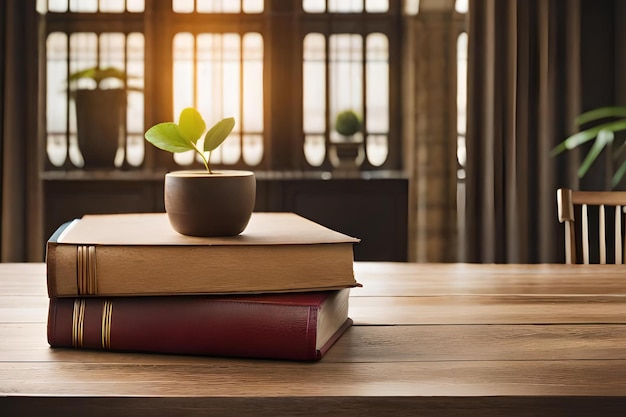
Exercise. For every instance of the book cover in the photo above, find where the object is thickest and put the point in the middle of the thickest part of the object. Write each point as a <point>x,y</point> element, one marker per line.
<point>140,254</point>
<point>292,326</point>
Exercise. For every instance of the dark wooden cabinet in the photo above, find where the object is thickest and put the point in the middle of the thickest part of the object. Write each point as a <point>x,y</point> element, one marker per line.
<point>372,207</point>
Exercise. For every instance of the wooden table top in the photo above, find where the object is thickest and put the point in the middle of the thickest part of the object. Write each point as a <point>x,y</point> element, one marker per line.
<point>428,340</point>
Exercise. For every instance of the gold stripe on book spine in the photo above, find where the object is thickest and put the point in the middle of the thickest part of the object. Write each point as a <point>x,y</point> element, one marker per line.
<point>107,310</point>
<point>78,322</point>
<point>86,270</point>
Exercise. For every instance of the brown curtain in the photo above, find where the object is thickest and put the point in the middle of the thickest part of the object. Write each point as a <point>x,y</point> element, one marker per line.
<point>524,91</point>
<point>19,118</point>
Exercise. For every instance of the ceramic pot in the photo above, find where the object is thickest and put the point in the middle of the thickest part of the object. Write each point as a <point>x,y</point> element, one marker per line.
<point>202,204</point>
<point>100,124</point>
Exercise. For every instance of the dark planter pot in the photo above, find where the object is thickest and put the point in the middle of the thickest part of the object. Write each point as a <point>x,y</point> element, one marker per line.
<point>100,121</point>
<point>347,152</point>
<point>202,204</point>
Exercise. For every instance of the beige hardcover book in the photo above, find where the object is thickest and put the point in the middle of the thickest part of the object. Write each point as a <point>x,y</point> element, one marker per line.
<point>140,254</point>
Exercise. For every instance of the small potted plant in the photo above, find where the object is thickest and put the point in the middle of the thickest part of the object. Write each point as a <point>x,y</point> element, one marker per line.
<point>347,123</point>
<point>203,202</point>
<point>347,147</point>
<point>100,114</point>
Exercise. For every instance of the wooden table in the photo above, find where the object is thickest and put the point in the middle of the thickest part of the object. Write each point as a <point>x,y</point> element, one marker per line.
<point>428,340</point>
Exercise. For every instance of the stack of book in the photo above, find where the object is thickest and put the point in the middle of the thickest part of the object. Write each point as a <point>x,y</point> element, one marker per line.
<point>129,282</point>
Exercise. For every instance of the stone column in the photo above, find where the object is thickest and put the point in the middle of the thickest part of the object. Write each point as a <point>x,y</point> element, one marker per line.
<point>430,134</point>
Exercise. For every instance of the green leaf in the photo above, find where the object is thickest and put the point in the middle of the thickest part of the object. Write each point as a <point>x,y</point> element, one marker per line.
<point>619,150</point>
<point>586,135</point>
<point>169,137</point>
<point>601,113</point>
<point>99,74</point>
<point>192,124</point>
<point>604,137</point>
<point>218,133</point>
<point>575,140</point>
<point>619,174</point>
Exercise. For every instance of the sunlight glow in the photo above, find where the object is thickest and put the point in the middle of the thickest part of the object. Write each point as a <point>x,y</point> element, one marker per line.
<point>222,76</point>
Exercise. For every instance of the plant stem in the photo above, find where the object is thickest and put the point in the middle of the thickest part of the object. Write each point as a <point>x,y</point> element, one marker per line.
<point>204,160</point>
<point>208,160</point>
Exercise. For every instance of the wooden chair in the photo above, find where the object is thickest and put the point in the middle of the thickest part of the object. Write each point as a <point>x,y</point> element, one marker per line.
<point>586,206</point>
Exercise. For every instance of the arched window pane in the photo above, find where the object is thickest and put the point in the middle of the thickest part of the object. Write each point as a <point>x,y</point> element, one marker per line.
<point>183,83</point>
<point>314,6</point>
<point>345,6</point>
<point>183,6</point>
<point>252,120</point>
<point>411,7</point>
<point>112,6</point>
<point>218,6</point>
<point>461,97</point>
<point>91,6</point>
<point>222,76</point>
<point>85,6</point>
<point>314,84</point>
<point>377,69</point>
<point>183,72</point>
<point>56,96</point>
<point>461,6</point>
<point>377,98</point>
<point>253,6</point>
<point>52,5</point>
<point>112,54</point>
<point>377,149</point>
<point>135,143</point>
<point>376,6</point>
<point>231,95</point>
<point>135,6</point>
<point>252,149</point>
<point>346,75</point>
<point>315,149</point>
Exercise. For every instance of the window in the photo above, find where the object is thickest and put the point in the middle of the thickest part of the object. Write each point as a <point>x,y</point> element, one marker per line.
<point>356,64</point>
<point>461,7</point>
<point>218,74</point>
<point>284,70</point>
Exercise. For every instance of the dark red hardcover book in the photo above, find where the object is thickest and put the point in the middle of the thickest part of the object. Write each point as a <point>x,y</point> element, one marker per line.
<point>292,326</point>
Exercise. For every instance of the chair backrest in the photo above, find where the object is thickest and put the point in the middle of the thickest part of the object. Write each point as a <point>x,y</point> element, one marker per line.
<point>578,209</point>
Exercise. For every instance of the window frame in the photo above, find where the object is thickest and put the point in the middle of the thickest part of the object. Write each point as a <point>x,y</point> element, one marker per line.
<point>283,136</point>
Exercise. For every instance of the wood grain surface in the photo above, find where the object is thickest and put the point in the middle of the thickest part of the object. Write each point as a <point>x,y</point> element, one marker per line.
<point>428,340</point>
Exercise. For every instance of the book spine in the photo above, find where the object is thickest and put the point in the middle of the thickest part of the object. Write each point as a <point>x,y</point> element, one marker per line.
<point>112,270</point>
<point>193,325</point>
<point>52,261</point>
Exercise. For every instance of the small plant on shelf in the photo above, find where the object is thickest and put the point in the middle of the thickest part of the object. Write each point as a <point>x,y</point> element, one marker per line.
<point>99,74</point>
<point>100,133</point>
<point>347,123</point>
<point>184,135</point>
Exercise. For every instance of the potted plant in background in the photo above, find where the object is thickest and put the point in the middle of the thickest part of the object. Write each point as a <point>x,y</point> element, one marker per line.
<point>100,115</point>
<point>347,147</point>
<point>203,202</point>
<point>609,121</point>
<point>348,124</point>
